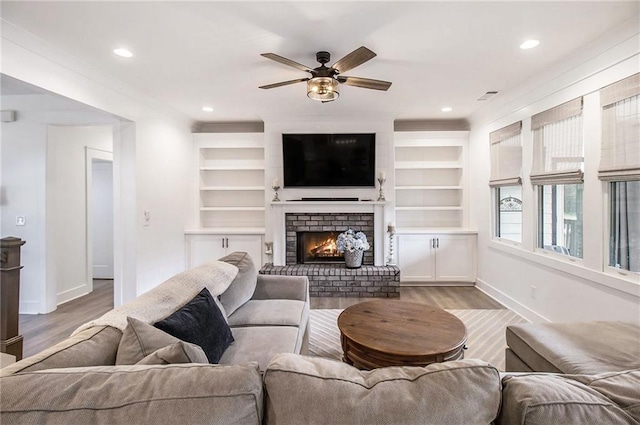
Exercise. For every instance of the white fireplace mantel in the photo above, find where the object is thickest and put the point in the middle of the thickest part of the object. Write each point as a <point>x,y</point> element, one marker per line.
<point>279,209</point>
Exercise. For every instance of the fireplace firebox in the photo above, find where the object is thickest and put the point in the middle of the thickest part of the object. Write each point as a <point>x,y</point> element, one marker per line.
<point>317,247</point>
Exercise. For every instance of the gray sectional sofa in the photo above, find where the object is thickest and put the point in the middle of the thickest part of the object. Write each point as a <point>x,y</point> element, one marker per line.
<point>263,377</point>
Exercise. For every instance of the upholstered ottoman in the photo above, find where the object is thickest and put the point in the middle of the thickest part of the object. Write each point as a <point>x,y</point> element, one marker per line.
<point>574,348</point>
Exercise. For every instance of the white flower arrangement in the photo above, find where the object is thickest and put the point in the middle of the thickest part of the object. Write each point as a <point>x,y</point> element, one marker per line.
<point>352,241</point>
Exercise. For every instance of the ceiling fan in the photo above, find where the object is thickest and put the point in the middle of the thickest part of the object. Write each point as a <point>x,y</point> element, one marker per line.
<point>322,85</point>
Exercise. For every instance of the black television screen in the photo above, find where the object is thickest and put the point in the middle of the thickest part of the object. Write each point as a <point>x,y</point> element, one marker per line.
<point>329,160</point>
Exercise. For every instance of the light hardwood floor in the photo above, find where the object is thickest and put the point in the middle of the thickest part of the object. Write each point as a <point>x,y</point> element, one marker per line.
<point>41,331</point>
<point>44,330</point>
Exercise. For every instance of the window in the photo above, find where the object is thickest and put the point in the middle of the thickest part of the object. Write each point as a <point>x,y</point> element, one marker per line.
<point>560,219</point>
<point>620,165</point>
<point>624,234</point>
<point>509,213</point>
<point>506,181</point>
<point>557,172</point>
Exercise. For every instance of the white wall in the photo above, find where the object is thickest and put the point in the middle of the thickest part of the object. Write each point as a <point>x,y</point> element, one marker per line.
<point>67,188</point>
<point>152,159</point>
<point>539,285</point>
<point>24,176</point>
<point>24,157</point>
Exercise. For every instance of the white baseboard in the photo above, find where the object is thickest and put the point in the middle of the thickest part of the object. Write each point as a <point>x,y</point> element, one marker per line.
<point>72,294</point>
<point>509,302</point>
<point>437,284</point>
<point>29,307</point>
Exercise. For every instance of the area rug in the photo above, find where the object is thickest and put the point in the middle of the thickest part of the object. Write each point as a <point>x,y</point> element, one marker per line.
<point>485,333</point>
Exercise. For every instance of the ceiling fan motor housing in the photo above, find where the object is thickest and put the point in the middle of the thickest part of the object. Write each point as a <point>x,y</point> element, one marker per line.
<point>323,57</point>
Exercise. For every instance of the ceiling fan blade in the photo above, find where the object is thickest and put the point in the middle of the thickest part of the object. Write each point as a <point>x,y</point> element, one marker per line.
<point>353,59</point>
<point>283,83</point>
<point>365,83</point>
<point>286,61</point>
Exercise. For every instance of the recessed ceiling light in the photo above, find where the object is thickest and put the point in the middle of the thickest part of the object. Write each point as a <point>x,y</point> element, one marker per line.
<point>207,108</point>
<point>529,44</point>
<point>123,53</point>
<point>447,109</point>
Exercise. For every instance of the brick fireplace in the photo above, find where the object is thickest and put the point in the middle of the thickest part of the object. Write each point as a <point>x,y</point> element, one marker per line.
<point>329,277</point>
<point>321,227</point>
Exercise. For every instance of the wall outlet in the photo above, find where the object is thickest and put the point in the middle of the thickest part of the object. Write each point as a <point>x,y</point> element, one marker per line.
<point>534,292</point>
<point>147,217</point>
<point>21,220</point>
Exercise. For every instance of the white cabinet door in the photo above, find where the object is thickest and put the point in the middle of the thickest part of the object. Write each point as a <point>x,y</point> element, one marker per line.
<point>251,244</point>
<point>203,248</point>
<point>455,258</point>
<point>416,258</point>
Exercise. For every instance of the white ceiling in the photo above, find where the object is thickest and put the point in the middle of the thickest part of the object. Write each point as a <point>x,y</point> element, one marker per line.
<point>190,54</point>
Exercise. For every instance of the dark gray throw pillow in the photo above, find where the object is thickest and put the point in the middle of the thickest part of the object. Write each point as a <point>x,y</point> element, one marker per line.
<point>200,322</point>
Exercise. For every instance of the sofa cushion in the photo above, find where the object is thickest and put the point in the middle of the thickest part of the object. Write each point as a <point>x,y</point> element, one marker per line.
<point>170,394</point>
<point>260,344</point>
<point>200,322</point>
<point>576,348</point>
<point>241,289</point>
<point>167,297</point>
<point>270,313</point>
<point>140,339</point>
<point>92,347</point>
<point>332,392</point>
<point>553,399</point>
<point>179,352</point>
<point>623,388</point>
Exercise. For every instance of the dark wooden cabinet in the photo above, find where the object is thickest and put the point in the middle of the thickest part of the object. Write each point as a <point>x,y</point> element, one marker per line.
<point>10,339</point>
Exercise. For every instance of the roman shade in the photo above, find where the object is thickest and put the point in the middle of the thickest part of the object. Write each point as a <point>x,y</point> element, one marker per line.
<point>558,145</point>
<point>620,152</point>
<point>506,156</point>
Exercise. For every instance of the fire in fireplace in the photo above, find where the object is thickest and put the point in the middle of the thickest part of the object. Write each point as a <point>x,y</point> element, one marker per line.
<point>317,247</point>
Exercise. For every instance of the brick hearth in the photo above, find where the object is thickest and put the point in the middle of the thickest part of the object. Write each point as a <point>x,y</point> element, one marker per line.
<point>335,280</point>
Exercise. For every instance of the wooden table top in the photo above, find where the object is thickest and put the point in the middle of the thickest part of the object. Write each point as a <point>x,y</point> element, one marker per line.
<point>401,328</point>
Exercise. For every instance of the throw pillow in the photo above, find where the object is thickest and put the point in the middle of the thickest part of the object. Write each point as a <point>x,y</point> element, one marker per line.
<point>243,286</point>
<point>180,352</point>
<point>140,339</point>
<point>200,322</point>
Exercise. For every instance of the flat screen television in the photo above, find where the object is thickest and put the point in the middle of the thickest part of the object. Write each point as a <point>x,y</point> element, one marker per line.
<point>329,160</point>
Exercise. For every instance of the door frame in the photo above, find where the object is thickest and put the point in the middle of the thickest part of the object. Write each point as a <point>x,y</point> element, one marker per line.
<point>90,155</point>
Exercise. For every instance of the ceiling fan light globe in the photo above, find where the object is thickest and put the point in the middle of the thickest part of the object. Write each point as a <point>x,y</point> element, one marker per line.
<point>322,89</point>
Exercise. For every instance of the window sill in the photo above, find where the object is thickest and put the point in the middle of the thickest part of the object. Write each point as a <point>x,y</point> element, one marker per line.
<point>629,284</point>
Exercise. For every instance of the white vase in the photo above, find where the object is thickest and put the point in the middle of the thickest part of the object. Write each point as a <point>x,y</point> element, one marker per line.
<point>353,259</point>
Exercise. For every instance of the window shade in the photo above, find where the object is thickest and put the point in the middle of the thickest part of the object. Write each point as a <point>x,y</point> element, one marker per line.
<point>506,156</point>
<point>558,148</point>
<point>620,153</point>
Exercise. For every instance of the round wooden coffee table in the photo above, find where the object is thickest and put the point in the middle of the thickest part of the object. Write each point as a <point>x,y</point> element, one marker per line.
<point>397,333</point>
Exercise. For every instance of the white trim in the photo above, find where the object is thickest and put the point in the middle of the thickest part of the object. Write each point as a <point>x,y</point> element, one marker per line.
<point>73,293</point>
<point>30,307</point>
<point>90,155</point>
<point>510,303</point>
<point>409,283</point>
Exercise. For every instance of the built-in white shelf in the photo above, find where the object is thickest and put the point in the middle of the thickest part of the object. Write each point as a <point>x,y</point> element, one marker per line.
<point>421,165</point>
<point>451,208</point>
<point>232,209</point>
<point>230,188</point>
<point>226,231</point>
<point>233,165</point>
<point>429,179</point>
<point>428,187</point>
<point>231,181</point>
